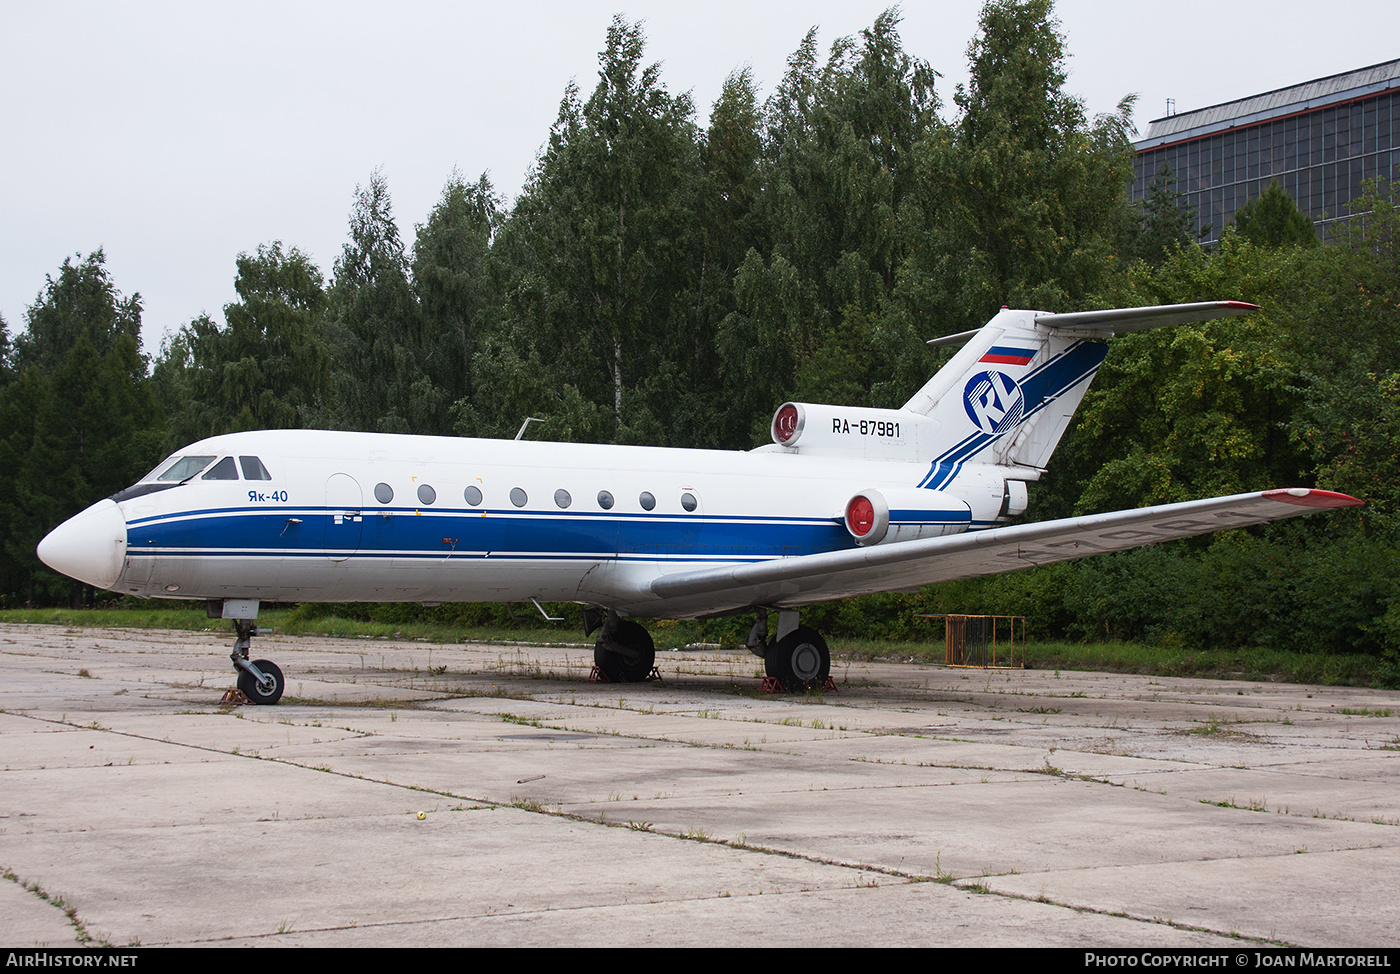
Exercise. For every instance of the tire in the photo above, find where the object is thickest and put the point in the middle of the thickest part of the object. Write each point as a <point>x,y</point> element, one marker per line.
<point>254,692</point>
<point>800,660</point>
<point>632,666</point>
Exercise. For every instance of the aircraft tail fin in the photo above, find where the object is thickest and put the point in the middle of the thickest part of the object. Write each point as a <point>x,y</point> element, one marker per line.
<point>1009,393</point>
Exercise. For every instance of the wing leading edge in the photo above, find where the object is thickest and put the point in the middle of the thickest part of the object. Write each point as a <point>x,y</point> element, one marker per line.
<point>791,582</point>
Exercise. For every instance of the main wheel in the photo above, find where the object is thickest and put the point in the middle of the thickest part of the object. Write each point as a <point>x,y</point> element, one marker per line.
<point>257,693</point>
<point>800,660</point>
<point>633,658</point>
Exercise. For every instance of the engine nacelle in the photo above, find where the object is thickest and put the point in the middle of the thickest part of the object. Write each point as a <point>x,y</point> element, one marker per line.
<point>904,514</point>
<point>853,431</point>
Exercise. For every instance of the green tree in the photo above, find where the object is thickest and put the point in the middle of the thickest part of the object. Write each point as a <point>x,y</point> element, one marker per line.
<point>6,354</point>
<point>1198,410</point>
<point>1349,416</point>
<point>267,367</point>
<point>376,327</point>
<point>815,316</point>
<point>1023,196</point>
<point>1274,220</point>
<point>600,247</point>
<point>1162,224</point>
<point>81,419</point>
<point>456,285</point>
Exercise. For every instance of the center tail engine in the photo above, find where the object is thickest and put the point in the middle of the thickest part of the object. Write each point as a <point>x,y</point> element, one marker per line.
<point>854,431</point>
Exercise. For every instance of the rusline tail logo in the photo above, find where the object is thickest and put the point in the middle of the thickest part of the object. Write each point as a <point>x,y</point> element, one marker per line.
<point>993,401</point>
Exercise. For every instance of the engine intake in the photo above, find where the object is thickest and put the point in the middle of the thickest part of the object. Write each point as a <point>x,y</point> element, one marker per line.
<point>904,514</point>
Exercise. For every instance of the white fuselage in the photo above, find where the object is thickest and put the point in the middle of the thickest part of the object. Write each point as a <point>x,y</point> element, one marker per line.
<point>324,528</point>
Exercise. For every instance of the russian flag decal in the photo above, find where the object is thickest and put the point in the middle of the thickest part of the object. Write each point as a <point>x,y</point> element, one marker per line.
<point>1007,355</point>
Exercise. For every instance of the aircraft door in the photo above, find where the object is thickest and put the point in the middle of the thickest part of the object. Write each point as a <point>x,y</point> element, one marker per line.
<point>344,520</point>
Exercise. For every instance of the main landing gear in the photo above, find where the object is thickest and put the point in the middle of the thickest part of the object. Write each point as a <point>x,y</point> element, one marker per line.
<point>259,680</point>
<point>798,659</point>
<point>624,652</point>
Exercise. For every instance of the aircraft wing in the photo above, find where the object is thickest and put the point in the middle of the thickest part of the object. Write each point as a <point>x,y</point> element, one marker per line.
<point>907,565</point>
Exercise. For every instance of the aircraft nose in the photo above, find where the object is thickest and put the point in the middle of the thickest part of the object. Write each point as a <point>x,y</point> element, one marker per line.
<point>90,546</point>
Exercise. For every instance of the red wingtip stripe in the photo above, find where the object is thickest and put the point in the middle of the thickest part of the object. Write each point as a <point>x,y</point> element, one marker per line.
<point>1241,304</point>
<point>1312,498</point>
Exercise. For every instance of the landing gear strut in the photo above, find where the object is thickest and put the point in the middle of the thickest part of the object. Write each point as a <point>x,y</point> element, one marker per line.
<point>624,651</point>
<point>259,680</point>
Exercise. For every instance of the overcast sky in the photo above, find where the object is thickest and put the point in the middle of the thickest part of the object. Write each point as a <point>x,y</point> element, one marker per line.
<point>177,135</point>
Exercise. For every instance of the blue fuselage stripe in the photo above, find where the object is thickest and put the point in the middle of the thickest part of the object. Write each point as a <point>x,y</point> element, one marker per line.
<point>547,535</point>
<point>438,534</point>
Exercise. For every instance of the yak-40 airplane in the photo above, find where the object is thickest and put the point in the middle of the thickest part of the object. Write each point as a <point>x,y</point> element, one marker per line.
<point>845,501</point>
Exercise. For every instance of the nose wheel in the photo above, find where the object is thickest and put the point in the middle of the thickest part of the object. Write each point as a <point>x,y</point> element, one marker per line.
<point>266,687</point>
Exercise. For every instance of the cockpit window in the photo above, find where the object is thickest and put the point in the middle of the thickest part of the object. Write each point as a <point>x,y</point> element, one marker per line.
<point>185,468</point>
<point>253,469</point>
<point>223,470</point>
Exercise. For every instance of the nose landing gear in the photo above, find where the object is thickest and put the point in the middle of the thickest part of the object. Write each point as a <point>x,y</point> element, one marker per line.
<point>259,680</point>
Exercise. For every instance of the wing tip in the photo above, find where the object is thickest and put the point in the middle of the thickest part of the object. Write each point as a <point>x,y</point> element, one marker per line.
<point>1304,497</point>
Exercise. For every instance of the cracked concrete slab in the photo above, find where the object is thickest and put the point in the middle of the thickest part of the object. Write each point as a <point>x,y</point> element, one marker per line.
<point>918,805</point>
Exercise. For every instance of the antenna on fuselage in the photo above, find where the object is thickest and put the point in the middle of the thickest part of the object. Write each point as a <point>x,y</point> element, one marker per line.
<point>528,421</point>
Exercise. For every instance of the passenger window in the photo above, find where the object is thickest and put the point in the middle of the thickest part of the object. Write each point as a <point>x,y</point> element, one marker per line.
<point>223,470</point>
<point>472,496</point>
<point>426,494</point>
<point>562,498</point>
<point>605,500</point>
<point>253,469</point>
<point>517,497</point>
<point>185,468</point>
<point>688,501</point>
<point>383,493</point>
<point>647,500</point>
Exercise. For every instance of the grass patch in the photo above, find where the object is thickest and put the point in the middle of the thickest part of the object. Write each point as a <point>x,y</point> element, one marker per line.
<point>305,620</point>
<point>1243,663</point>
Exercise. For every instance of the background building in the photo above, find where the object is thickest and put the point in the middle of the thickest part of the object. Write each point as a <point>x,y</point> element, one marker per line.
<point>1319,140</point>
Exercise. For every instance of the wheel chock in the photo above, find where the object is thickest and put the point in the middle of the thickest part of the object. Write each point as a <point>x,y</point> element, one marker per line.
<point>598,676</point>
